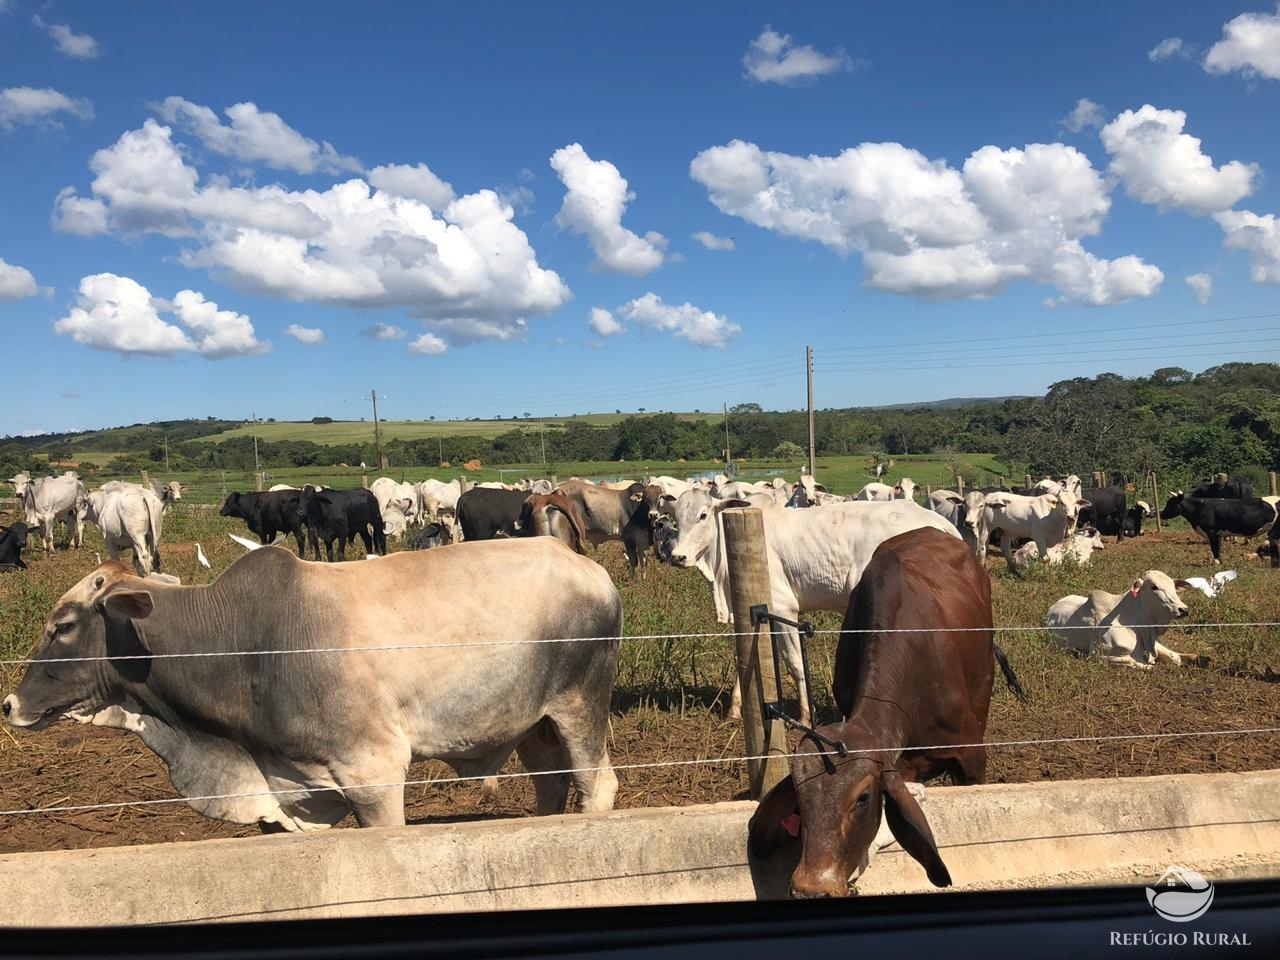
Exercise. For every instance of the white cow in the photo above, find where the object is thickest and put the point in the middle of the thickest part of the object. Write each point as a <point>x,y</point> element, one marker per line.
<point>1125,627</point>
<point>816,557</point>
<point>168,493</point>
<point>1048,485</point>
<point>398,504</point>
<point>969,514</point>
<point>435,495</point>
<point>880,492</point>
<point>670,486</point>
<point>47,499</point>
<point>905,489</point>
<point>129,519</point>
<point>1047,519</point>
<point>1079,548</point>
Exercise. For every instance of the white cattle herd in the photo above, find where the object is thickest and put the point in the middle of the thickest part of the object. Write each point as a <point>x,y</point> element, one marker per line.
<point>549,702</point>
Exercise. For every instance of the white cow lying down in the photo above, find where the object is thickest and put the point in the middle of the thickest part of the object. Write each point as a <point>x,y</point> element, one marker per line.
<point>1127,625</point>
<point>1079,548</point>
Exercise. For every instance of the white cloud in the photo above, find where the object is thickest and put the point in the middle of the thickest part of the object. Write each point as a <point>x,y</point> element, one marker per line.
<point>310,336</point>
<point>774,58</point>
<point>255,136</point>
<point>702,327</point>
<point>927,230</point>
<point>1160,164</point>
<point>16,282</point>
<point>31,105</point>
<point>384,331</point>
<point>1170,47</point>
<point>119,315</point>
<point>603,323</point>
<point>596,198</point>
<point>467,270</point>
<point>1201,285</point>
<point>1258,236</point>
<point>416,182</point>
<point>428,345</point>
<point>69,43</point>
<point>712,242</point>
<point>1251,44</point>
<point>1086,114</point>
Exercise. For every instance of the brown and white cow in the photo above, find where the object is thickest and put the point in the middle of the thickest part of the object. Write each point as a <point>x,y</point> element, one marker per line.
<point>905,697</point>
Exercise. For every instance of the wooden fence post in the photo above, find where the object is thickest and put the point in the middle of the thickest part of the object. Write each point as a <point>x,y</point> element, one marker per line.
<point>463,484</point>
<point>960,484</point>
<point>748,586</point>
<point>1026,481</point>
<point>1272,477</point>
<point>146,478</point>
<point>257,480</point>
<point>1155,499</point>
<point>224,483</point>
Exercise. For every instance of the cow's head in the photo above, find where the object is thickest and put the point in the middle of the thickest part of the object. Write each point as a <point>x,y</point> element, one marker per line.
<point>833,804</point>
<point>93,619</point>
<point>1172,507</point>
<point>1157,594</point>
<point>697,526</point>
<point>1147,512</point>
<point>231,508</point>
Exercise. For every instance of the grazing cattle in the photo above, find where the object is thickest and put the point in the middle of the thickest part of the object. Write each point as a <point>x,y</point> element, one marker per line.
<point>13,540</point>
<point>397,504</point>
<point>815,557</point>
<point>1123,629</point>
<point>915,704</point>
<point>968,514</point>
<point>341,516</point>
<point>430,536</point>
<point>435,496</point>
<point>614,515</point>
<point>130,519</point>
<point>1106,509</point>
<point>1223,489</point>
<point>1077,549</point>
<point>269,513</point>
<point>296,742</point>
<point>48,499</point>
<point>1211,518</point>
<point>1046,519</point>
<point>553,515</point>
<point>485,513</point>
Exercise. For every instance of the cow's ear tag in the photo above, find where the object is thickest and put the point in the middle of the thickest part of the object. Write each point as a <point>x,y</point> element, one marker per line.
<point>791,824</point>
<point>1134,590</point>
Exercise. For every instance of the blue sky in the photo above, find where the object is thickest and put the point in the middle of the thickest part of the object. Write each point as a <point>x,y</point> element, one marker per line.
<point>497,209</point>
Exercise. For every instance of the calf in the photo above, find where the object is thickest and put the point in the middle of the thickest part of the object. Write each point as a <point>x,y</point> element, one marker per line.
<point>341,516</point>
<point>915,707</point>
<point>1123,629</point>
<point>13,540</point>
<point>1078,549</point>
<point>267,514</point>
<point>553,515</point>
<point>1213,517</point>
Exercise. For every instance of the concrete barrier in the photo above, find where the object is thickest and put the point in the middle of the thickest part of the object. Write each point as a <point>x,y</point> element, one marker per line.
<point>1007,835</point>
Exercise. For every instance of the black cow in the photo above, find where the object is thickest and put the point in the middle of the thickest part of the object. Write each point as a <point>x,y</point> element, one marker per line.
<point>1106,510</point>
<point>432,535</point>
<point>1214,517</point>
<point>1231,490</point>
<point>487,512</point>
<point>13,540</point>
<point>341,515</point>
<point>1133,520</point>
<point>268,513</point>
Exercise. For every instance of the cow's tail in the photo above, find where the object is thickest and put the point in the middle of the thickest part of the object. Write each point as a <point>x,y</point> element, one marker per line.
<point>155,516</point>
<point>1010,677</point>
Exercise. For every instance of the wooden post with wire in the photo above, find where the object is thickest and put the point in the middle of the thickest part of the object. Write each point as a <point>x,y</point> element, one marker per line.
<point>749,586</point>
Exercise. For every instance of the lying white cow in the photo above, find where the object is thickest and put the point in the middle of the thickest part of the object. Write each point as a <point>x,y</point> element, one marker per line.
<point>1078,548</point>
<point>1125,627</point>
<point>816,557</point>
<point>130,518</point>
<point>1047,519</point>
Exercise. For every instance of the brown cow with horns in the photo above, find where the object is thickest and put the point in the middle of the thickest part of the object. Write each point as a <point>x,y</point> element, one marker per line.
<point>906,696</point>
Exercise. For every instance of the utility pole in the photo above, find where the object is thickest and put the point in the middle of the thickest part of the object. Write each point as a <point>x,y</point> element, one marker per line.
<point>808,368</point>
<point>377,429</point>
<point>439,450</point>
<point>728,459</point>
<point>542,438</point>
<point>166,452</point>
<point>257,467</point>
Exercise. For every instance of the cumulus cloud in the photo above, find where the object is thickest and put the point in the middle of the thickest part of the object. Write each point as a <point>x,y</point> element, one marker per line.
<point>1201,285</point>
<point>596,198</point>
<point>310,336</point>
<point>1160,164</point>
<point>31,105</point>
<point>1258,236</point>
<point>428,345</point>
<point>1170,47</point>
<point>774,58</point>
<point>16,282</point>
<point>702,327</point>
<point>384,331</point>
<point>255,136</point>
<point>120,315</point>
<point>1086,114</point>
<point>1251,44</point>
<point>603,323</point>
<point>712,242</point>
<point>416,182</point>
<point>929,231</point>
<point>69,43</point>
<point>467,270</point>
